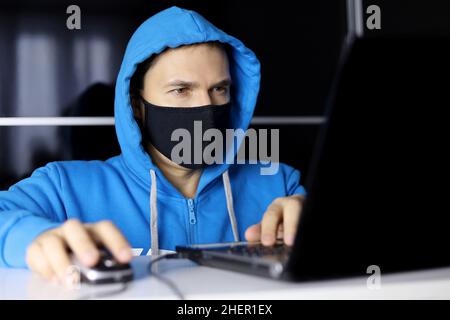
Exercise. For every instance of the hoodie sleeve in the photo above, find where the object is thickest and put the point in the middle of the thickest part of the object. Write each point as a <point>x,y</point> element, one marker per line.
<point>27,209</point>
<point>293,183</point>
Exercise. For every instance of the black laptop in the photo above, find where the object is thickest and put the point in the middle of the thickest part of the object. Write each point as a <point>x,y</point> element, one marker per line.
<point>378,189</point>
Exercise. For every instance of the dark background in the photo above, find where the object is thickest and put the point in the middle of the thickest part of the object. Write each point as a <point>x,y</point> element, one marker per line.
<point>297,42</point>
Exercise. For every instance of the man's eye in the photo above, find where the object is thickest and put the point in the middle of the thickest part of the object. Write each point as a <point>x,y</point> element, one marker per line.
<point>221,90</point>
<point>180,91</point>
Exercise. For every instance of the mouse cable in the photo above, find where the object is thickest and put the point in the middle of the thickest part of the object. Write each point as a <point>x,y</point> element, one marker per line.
<point>163,279</point>
<point>157,275</point>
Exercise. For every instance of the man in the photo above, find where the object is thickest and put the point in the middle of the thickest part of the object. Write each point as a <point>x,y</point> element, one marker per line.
<point>175,68</point>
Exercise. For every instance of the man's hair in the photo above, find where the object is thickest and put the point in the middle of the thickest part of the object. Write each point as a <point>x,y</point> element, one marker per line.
<point>137,80</point>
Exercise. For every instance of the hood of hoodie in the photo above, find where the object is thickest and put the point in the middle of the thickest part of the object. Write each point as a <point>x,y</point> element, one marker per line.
<point>172,28</point>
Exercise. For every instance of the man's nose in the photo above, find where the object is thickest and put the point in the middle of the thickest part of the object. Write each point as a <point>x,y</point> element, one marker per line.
<point>203,99</point>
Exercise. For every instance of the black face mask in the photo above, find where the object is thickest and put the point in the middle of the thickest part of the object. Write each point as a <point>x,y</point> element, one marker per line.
<point>161,122</point>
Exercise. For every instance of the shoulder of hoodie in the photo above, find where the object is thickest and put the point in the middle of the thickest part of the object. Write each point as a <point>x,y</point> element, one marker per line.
<point>284,172</point>
<point>80,168</point>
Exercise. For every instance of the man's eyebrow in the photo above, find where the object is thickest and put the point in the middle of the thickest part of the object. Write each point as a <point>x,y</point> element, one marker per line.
<point>190,84</point>
<point>223,83</point>
<point>180,83</point>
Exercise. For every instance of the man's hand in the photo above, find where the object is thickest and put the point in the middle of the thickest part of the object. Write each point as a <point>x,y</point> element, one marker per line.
<point>279,221</point>
<point>48,254</point>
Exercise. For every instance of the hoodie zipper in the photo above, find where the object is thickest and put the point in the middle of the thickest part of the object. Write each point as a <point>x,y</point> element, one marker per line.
<point>192,218</point>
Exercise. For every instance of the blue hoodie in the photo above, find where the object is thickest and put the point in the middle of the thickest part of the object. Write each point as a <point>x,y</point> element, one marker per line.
<point>129,189</point>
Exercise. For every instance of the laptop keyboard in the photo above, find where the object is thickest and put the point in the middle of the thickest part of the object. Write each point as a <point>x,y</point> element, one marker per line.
<point>247,257</point>
<point>279,250</point>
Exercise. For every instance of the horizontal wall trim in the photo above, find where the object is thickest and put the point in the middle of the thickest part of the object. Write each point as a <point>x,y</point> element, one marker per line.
<point>286,120</point>
<point>109,121</point>
<point>56,121</point>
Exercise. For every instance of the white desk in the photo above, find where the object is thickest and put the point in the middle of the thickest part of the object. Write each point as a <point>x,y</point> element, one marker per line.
<point>206,283</point>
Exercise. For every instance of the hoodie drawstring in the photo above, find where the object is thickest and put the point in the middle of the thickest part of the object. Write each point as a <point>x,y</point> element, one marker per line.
<point>154,211</point>
<point>230,207</point>
<point>153,215</point>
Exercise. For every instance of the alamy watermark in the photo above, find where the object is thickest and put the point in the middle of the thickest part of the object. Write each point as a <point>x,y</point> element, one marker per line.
<point>256,141</point>
<point>374,280</point>
<point>373,21</point>
<point>73,21</point>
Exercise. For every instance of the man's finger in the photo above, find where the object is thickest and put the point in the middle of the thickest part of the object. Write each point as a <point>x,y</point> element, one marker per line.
<point>80,242</point>
<point>291,214</point>
<point>108,234</point>
<point>38,263</point>
<point>269,224</point>
<point>253,233</point>
<point>56,253</point>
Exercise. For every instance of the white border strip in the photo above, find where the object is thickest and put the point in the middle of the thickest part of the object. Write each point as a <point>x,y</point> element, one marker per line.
<point>109,121</point>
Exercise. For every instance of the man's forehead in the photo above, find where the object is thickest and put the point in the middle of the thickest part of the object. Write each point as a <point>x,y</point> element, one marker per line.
<point>215,47</point>
<point>186,64</point>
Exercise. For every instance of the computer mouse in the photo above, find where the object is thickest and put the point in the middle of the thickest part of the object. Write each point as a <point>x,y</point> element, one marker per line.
<point>107,270</point>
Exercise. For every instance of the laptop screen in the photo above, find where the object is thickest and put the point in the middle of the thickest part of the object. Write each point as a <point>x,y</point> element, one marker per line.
<point>378,189</point>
